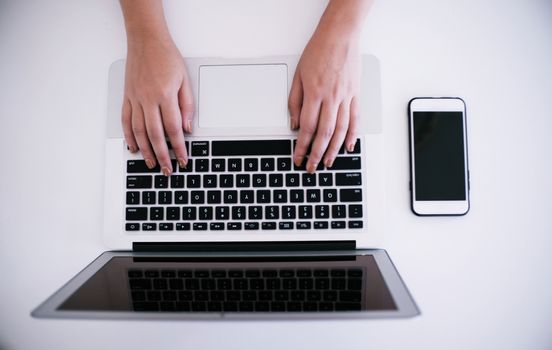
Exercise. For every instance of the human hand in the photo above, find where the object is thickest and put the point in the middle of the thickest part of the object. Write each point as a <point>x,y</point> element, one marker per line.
<point>323,101</point>
<point>158,100</point>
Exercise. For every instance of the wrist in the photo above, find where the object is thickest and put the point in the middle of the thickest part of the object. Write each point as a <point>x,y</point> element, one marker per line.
<point>344,19</point>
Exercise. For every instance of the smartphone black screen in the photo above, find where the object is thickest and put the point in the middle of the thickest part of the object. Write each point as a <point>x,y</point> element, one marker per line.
<point>439,156</point>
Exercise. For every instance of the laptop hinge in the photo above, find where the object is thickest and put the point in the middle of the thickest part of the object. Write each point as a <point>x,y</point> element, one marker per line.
<point>242,246</point>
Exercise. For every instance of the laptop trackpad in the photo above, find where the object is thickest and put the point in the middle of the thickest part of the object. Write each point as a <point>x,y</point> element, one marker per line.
<point>243,96</point>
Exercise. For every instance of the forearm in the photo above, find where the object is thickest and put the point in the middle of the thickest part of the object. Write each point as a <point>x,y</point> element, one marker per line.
<point>144,19</point>
<point>344,18</point>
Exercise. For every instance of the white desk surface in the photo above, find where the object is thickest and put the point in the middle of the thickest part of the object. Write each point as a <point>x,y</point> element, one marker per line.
<point>483,281</point>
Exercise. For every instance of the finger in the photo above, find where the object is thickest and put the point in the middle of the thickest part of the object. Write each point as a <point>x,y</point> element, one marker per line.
<point>324,133</point>
<point>172,120</point>
<point>341,126</point>
<point>308,122</point>
<point>126,119</point>
<point>141,135</point>
<point>186,104</point>
<point>351,138</point>
<point>295,100</point>
<point>156,134</point>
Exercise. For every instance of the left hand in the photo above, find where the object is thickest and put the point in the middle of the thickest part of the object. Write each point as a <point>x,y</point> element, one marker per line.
<point>323,101</point>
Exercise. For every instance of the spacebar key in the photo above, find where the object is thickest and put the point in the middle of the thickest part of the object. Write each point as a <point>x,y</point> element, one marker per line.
<point>252,148</point>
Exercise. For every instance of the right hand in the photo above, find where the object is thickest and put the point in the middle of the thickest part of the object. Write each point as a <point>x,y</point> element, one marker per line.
<point>158,101</point>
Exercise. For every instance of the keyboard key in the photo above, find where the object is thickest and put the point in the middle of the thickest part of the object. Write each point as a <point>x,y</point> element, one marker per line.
<point>322,211</point>
<point>338,224</point>
<point>201,165</point>
<point>136,214</point>
<point>350,195</point>
<point>209,181</point>
<point>226,181</point>
<point>348,179</point>
<point>230,196</point>
<point>177,181</point>
<point>222,213</point>
<point>216,226</point>
<point>280,196</point>
<point>148,197</point>
<point>309,179</point>
<point>329,195</point>
<point>325,179</point>
<point>233,226</point>
<point>263,196</point>
<point>132,227</point>
<point>218,165</point>
<point>305,212</point>
<point>165,197</point>
<point>296,196</point>
<point>288,212</point>
<point>259,180</point>
<point>338,211</point>
<point>189,213</point>
<point>267,164</point>
<point>181,197</point>
<point>255,212</point>
<point>346,163</point>
<point>355,211</point>
<point>189,167</point>
<point>200,226</point>
<point>149,227</point>
<point>166,226</point>
<point>183,226</point>
<point>268,225</point>
<point>234,164</point>
<point>355,224</point>
<point>251,225</point>
<point>320,225</point>
<point>247,196</point>
<point>238,213</point>
<point>252,148</point>
<point>284,164</point>
<point>313,196</point>
<point>205,213</point>
<point>214,197</point>
<point>251,164</point>
<point>275,180</point>
<point>161,181</point>
<point>133,197</point>
<point>286,225</point>
<point>197,197</point>
<point>356,150</point>
<point>193,181</point>
<point>139,166</point>
<point>303,225</point>
<point>139,181</point>
<point>173,213</point>
<point>156,213</point>
<point>200,149</point>
<point>292,180</point>
<point>243,180</point>
<point>272,212</point>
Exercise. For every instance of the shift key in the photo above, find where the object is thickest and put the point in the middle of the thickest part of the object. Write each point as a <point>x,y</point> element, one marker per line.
<point>346,163</point>
<point>350,195</point>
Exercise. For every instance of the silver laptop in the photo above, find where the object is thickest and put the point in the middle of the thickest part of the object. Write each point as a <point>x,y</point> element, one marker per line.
<point>241,232</point>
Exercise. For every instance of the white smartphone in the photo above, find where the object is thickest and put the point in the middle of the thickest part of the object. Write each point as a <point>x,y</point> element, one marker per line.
<point>439,173</point>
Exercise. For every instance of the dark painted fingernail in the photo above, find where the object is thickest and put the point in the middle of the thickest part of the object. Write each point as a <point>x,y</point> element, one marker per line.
<point>150,163</point>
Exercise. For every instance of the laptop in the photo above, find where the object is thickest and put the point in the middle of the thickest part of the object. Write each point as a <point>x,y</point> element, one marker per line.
<point>241,232</point>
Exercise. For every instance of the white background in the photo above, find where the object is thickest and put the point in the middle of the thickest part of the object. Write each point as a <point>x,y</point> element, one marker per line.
<point>482,281</point>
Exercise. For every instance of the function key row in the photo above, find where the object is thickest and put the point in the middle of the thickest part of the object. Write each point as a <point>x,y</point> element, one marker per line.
<point>235,273</point>
<point>233,226</point>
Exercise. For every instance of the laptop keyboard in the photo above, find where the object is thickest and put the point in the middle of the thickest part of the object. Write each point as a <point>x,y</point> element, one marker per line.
<point>245,185</point>
<point>255,290</point>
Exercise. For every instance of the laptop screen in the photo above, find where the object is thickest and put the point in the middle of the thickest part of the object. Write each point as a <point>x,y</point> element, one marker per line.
<point>282,284</point>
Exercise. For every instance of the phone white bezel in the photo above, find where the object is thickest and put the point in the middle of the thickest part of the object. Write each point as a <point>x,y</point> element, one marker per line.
<point>444,207</point>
